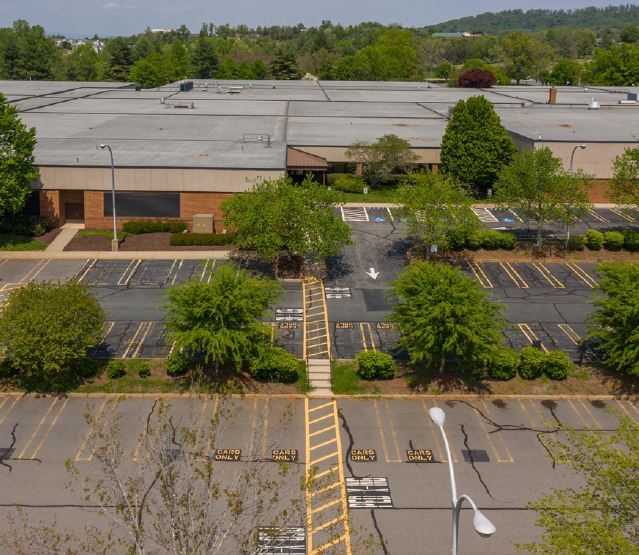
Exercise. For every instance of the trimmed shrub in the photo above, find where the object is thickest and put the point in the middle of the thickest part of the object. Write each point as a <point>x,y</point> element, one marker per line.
<point>140,367</point>
<point>21,224</point>
<point>594,239</point>
<point>613,240</point>
<point>477,78</point>
<point>85,367</point>
<point>473,240</point>
<point>556,365</point>
<point>456,240</point>
<point>201,239</point>
<point>375,365</point>
<point>274,364</point>
<point>115,369</point>
<point>576,242</point>
<point>177,364</point>
<point>631,240</point>
<point>347,183</point>
<point>532,363</point>
<point>139,227</point>
<point>504,365</point>
<point>491,239</point>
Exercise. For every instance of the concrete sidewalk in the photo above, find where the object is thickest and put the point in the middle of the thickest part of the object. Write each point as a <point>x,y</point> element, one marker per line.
<point>65,236</point>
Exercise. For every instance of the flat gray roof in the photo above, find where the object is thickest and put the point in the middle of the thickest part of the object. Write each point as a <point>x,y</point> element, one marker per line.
<point>157,127</point>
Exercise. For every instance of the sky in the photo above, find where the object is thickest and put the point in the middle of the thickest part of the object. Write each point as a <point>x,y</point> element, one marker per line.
<point>128,17</point>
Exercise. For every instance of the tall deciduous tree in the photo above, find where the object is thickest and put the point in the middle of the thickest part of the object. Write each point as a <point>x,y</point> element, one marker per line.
<point>204,58</point>
<point>44,328</point>
<point>16,159</point>
<point>380,158</point>
<point>435,207</point>
<point>444,316</point>
<point>219,320</point>
<point>599,517</point>
<point>475,146</point>
<point>82,64</point>
<point>624,185</point>
<point>277,217</point>
<point>117,56</point>
<point>523,55</point>
<point>536,186</point>
<point>616,320</point>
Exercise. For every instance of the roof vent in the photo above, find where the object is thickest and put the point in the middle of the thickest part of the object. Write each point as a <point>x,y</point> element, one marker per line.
<point>593,105</point>
<point>631,98</point>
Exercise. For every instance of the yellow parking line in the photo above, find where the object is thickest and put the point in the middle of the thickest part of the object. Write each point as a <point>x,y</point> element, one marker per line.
<point>582,274</point>
<point>89,458</point>
<point>9,410</point>
<point>623,215</point>
<point>133,340</point>
<point>347,528</point>
<point>438,446</point>
<point>324,458</point>
<point>325,489</point>
<point>597,216</point>
<point>316,420</point>
<point>325,506</point>
<point>570,333</point>
<point>531,335</point>
<point>142,340</point>
<point>329,544</point>
<point>481,276</point>
<point>319,407</point>
<point>490,439</point>
<point>329,523</point>
<point>590,414</point>
<point>579,415</point>
<point>48,430</point>
<point>318,432</point>
<point>628,414</point>
<point>514,275</point>
<point>324,443</point>
<point>548,275</point>
<point>267,407</point>
<point>324,473</point>
<point>499,435</point>
<point>37,428</point>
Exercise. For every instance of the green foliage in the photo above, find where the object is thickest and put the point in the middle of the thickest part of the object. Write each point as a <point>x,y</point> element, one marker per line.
<point>532,363</point>
<point>177,364</point>
<point>594,239</point>
<point>491,239</point>
<point>285,67</point>
<point>443,315</point>
<point>616,318</point>
<point>475,145</point>
<point>624,185</point>
<point>598,517</point>
<point>21,224</point>
<point>140,367</point>
<point>85,368</point>
<point>375,365</point>
<point>565,72</point>
<point>204,59</point>
<point>557,365</point>
<point>115,369</point>
<point>27,53</point>
<point>83,64</point>
<point>616,65</point>
<point>11,242</point>
<point>436,209</point>
<point>201,239</point>
<point>117,59</point>
<point>523,54</point>
<point>577,242</point>
<point>138,227</point>
<point>504,364</point>
<point>17,170</point>
<point>147,74</point>
<point>381,158</point>
<point>220,320</point>
<point>274,364</point>
<point>277,216</point>
<point>346,183</point>
<point>613,240</point>
<point>631,240</point>
<point>537,187</point>
<point>44,328</point>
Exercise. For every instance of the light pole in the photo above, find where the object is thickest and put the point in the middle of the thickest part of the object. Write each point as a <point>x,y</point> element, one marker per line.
<point>572,158</point>
<point>481,524</point>
<point>114,241</point>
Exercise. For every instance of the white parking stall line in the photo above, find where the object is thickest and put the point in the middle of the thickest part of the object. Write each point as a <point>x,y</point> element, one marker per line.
<point>354,214</point>
<point>133,348</point>
<point>515,214</point>
<point>86,268</point>
<point>31,274</point>
<point>128,274</point>
<point>622,214</point>
<point>485,215</point>
<point>596,216</point>
<point>390,214</point>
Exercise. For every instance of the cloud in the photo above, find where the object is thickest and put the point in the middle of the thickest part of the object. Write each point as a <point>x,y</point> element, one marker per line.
<point>110,6</point>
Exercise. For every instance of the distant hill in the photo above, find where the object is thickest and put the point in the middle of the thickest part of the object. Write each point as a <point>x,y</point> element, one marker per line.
<point>537,20</point>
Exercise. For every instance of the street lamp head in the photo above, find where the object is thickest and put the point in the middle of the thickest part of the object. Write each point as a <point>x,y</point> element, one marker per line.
<point>438,416</point>
<point>582,147</point>
<point>103,146</point>
<point>482,525</point>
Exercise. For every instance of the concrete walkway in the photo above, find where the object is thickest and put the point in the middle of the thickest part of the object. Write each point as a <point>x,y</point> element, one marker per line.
<point>64,237</point>
<point>319,377</point>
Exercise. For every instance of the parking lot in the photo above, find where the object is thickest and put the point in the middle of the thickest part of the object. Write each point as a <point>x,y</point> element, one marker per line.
<point>495,444</point>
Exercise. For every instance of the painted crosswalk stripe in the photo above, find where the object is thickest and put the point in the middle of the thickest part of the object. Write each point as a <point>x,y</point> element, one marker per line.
<point>354,214</point>
<point>485,215</point>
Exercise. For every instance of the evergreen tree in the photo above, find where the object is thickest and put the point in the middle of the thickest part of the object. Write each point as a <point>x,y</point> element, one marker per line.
<point>204,59</point>
<point>475,146</point>
<point>82,64</point>
<point>284,67</point>
<point>117,59</point>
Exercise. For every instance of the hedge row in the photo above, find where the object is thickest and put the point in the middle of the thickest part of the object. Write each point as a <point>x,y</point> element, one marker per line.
<point>610,240</point>
<point>346,183</point>
<point>201,239</point>
<point>489,239</point>
<point>19,224</point>
<point>530,363</point>
<point>139,227</point>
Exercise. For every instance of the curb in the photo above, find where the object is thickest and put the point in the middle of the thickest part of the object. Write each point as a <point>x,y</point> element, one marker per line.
<point>123,255</point>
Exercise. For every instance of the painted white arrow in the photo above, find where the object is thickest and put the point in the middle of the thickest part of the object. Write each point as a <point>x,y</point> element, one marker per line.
<point>373,273</point>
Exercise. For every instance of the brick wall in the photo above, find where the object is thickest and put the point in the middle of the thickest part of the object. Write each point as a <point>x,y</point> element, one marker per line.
<point>190,204</point>
<point>50,206</point>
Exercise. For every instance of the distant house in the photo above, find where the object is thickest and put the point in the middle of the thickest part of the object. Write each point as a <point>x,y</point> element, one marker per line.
<point>464,35</point>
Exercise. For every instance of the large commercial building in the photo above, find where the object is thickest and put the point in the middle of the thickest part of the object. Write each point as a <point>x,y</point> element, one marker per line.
<point>180,150</point>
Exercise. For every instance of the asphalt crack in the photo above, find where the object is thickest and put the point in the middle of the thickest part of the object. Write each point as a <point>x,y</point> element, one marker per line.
<point>472,462</point>
<point>13,442</point>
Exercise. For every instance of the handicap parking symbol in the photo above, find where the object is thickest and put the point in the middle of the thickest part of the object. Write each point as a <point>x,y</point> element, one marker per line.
<point>508,220</point>
<point>380,219</point>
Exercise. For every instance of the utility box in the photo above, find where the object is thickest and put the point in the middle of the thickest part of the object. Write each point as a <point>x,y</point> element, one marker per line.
<point>203,223</point>
<point>186,86</point>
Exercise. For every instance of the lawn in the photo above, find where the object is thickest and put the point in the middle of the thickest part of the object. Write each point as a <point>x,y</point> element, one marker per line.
<point>380,194</point>
<point>346,381</point>
<point>10,242</point>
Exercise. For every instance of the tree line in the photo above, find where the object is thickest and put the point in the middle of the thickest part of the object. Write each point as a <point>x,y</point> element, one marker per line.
<point>368,51</point>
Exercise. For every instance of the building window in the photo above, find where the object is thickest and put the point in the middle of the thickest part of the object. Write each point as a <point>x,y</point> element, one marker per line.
<point>143,205</point>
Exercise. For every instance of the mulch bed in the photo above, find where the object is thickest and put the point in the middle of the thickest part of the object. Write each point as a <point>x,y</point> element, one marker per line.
<point>143,242</point>
<point>48,237</point>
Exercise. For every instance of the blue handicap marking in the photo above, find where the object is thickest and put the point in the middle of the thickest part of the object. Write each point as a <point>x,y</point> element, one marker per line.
<point>508,220</point>
<point>380,219</point>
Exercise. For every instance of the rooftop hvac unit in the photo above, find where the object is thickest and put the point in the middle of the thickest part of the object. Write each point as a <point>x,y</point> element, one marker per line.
<point>203,223</point>
<point>594,105</point>
<point>186,86</point>
<point>631,98</point>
